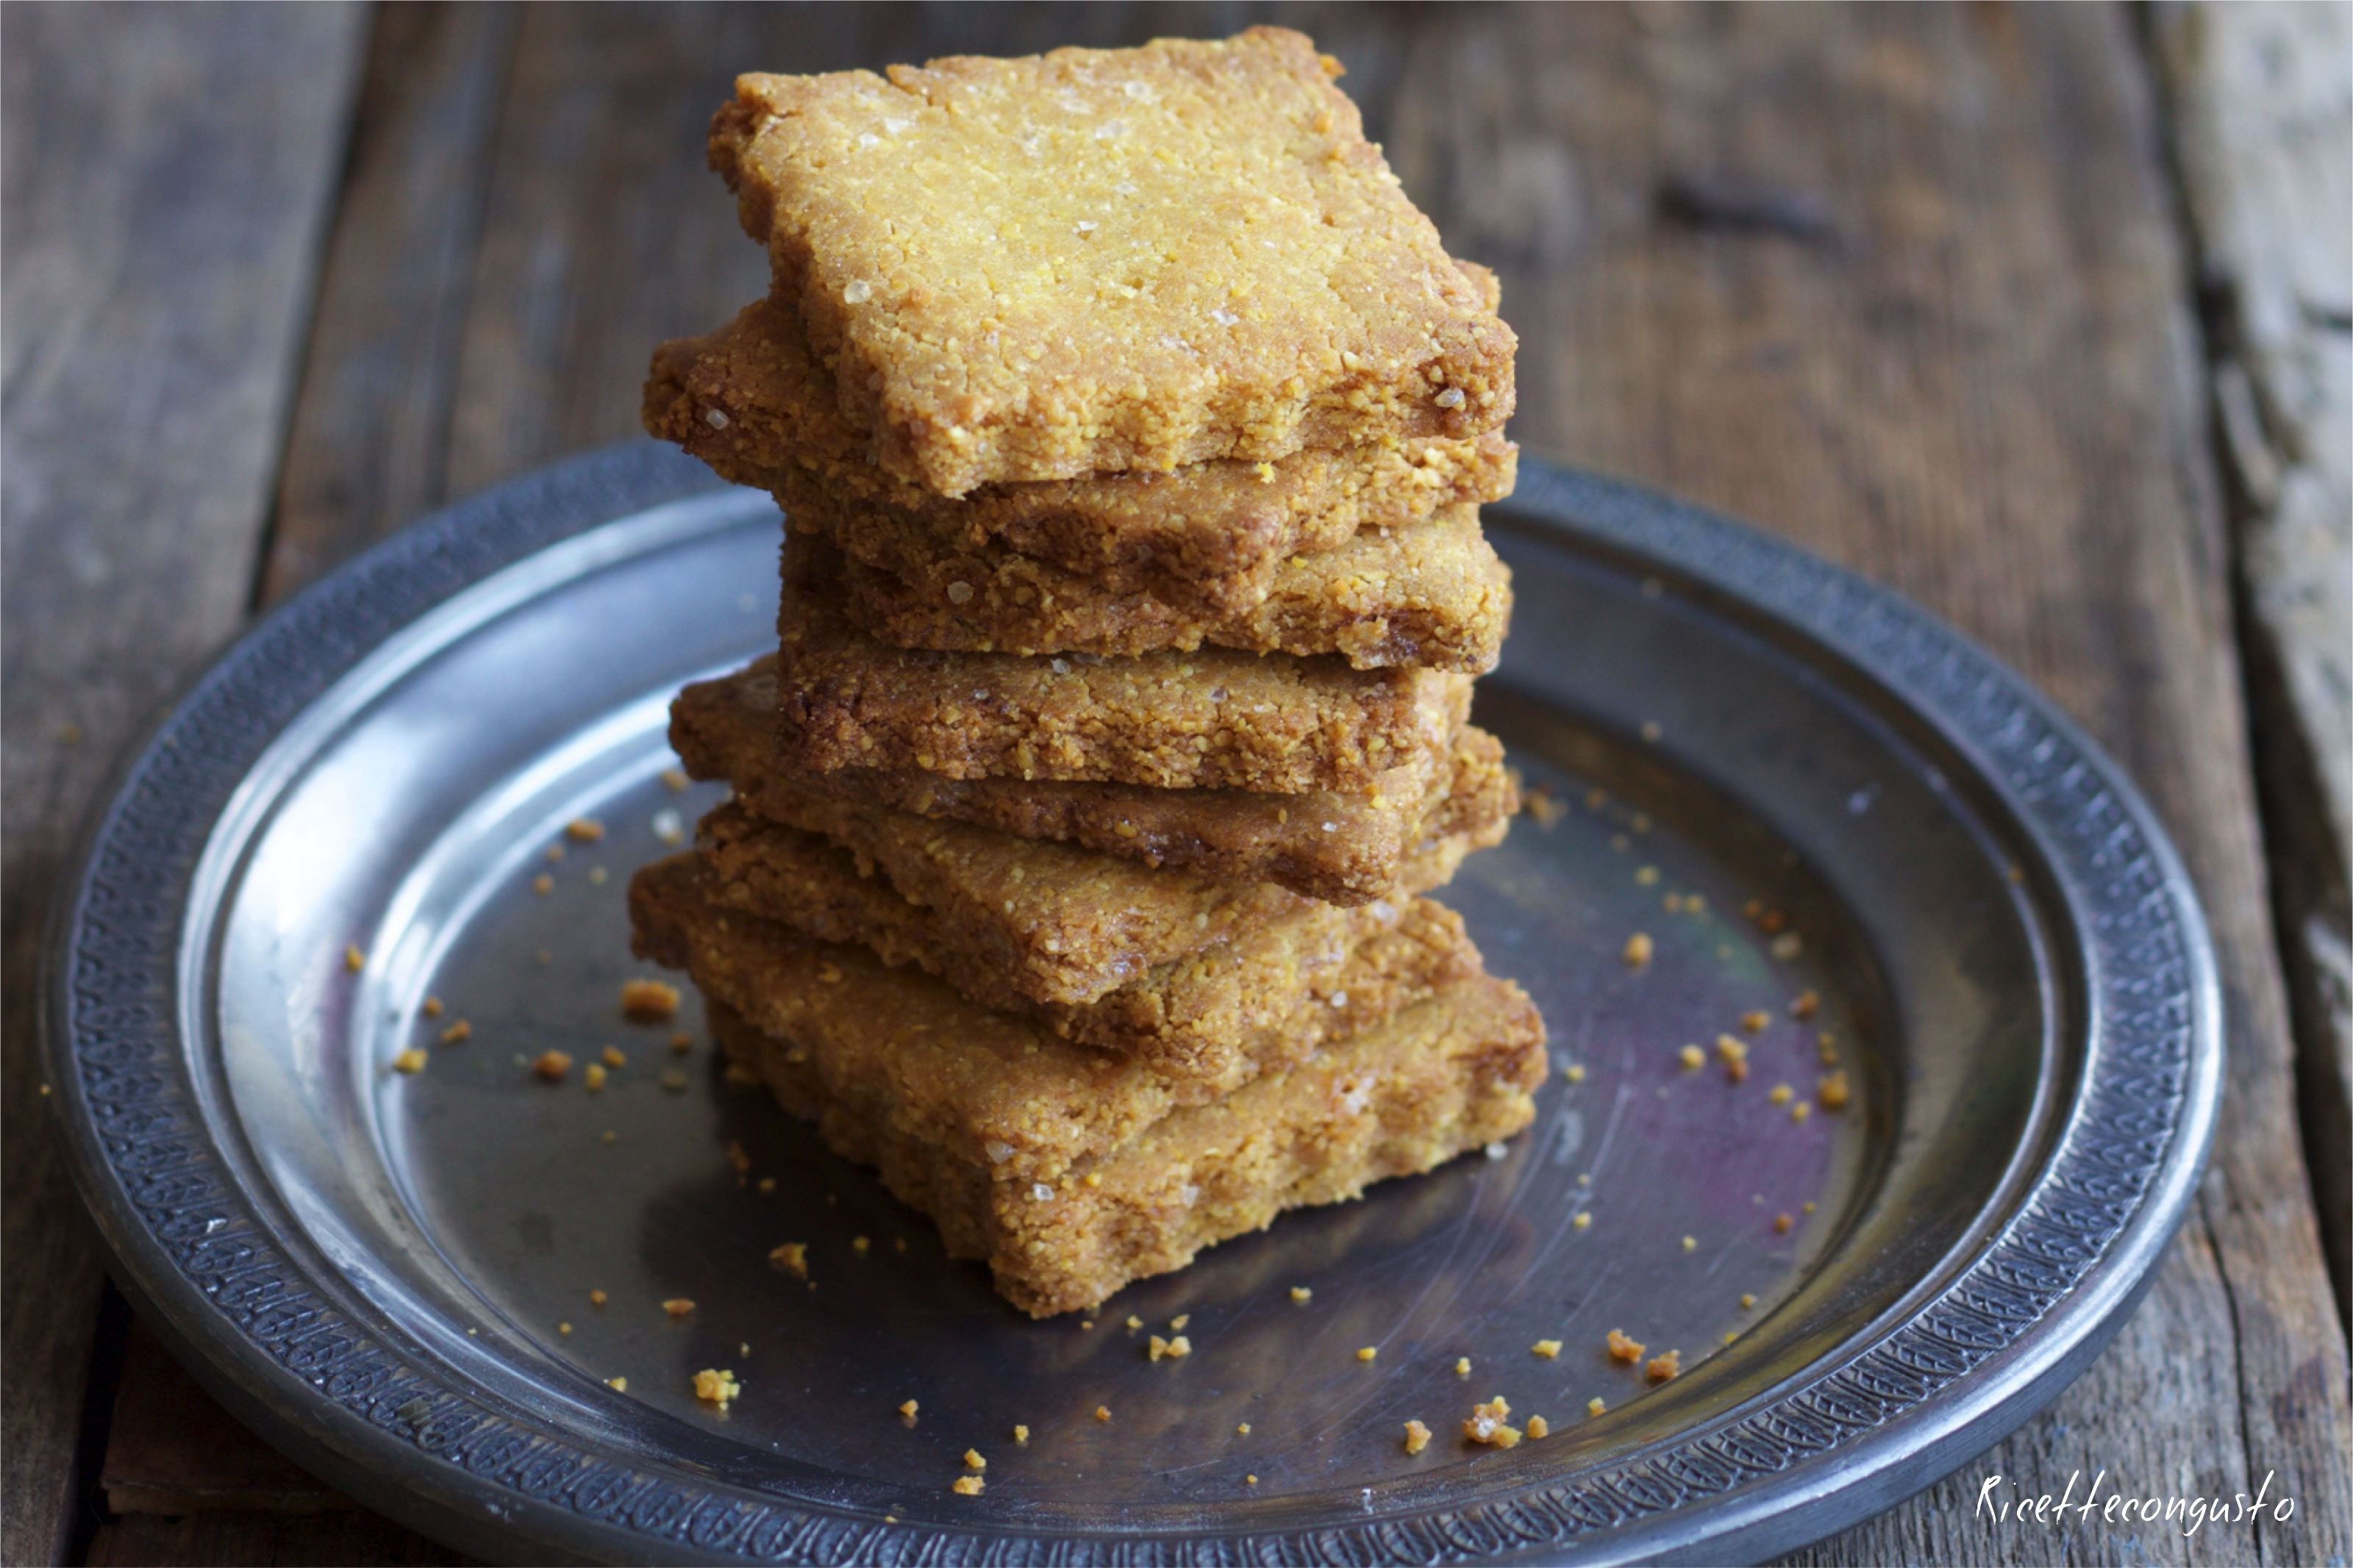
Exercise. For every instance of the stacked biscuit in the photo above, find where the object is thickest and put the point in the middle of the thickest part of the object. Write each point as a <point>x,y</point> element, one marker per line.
<point>1130,428</point>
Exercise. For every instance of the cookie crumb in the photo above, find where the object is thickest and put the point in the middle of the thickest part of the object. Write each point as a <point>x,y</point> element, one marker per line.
<point>1754,1020</point>
<point>614,1058</point>
<point>1781,1094</point>
<point>716,1386</point>
<point>1103,1412</point>
<point>1832,1091</point>
<point>1663,1367</point>
<point>1548,1349</point>
<point>1689,1243</point>
<point>1134,1322</point>
<point>1178,1347</point>
<point>1582,1220</point>
<point>1417,1437</point>
<point>1177,1324</point>
<point>1368,1352</point>
<point>354,959</point>
<point>682,1041</point>
<point>646,1001</point>
<point>1302,1294</point>
<point>1734,1054</point>
<point>458,1033</point>
<point>907,1410</point>
<point>1539,1428</point>
<point>617,1384</point>
<point>1623,1351</point>
<point>1463,1366</point>
<point>432,1006</point>
<point>1746,1301</point>
<point>677,1306</point>
<point>552,1065</point>
<point>1801,1111</point>
<point>1243,1430</point>
<point>1020,1434</point>
<point>792,1257</point>
<point>597,1298</point>
<point>1805,1005</point>
<point>562,1328</point>
<point>967,1485</point>
<point>1594,1406</point>
<point>584,830</point>
<point>1486,1423</point>
<point>1574,1072</point>
<point>594,1077</point>
<point>1638,949</point>
<point>1249,1480</point>
<point>973,1461</point>
<point>1781,1224</point>
<point>542,884</point>
<point>1691,1057</point>
<point>409,1060</point>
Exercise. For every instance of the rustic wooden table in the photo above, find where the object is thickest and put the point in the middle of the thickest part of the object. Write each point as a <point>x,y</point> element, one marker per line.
<point>1969,300</point>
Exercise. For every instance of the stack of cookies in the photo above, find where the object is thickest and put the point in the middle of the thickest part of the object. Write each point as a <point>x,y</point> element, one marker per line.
<point>1130,428</point>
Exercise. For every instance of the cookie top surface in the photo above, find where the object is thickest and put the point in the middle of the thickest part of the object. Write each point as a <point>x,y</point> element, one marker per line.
<point>1094,259</point>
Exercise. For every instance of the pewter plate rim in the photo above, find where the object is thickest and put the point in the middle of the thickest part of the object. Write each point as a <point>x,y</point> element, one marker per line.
<point>1868,1425</point>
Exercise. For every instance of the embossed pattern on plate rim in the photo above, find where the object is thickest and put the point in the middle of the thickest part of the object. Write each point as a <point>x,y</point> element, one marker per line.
<point>1866,1426</point>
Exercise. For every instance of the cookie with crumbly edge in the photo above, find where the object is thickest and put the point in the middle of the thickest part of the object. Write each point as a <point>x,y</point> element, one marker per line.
<point>1211,719</point>
<point>1097,261</point>
<point>1207,539</point>
<point>1340,848</point>
<point>1072,1170</point>
<point>1033,918</point>
<point>1434,596</point>
<point>1210,1017</point>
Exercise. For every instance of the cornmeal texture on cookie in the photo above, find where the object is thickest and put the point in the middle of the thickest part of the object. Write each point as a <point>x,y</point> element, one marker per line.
<point>1097,261</point>
<point>1209,1019</point>
<point>1435,596</point>
<point>1213,1013</point>
<point>1071,1171</point>
<point>1205,539</point>
<point>1215,718</point>
<point>1042,920</point>
<point>1439,1080</point>
<point>1341,848</point>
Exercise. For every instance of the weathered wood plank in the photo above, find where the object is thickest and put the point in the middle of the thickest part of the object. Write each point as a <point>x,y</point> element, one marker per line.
<point>2262,134</point>
<point>369,444</point>
<point>349,1540</point>
<point>1950,346</point>
<point>171,1449</point>
<point>167,176</point>
<point>1979,383</point>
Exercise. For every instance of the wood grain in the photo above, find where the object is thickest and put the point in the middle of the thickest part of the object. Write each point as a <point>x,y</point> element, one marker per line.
<point>171,1449</point>
<point>1904,284</point>
<point>369,444</point>
<point>251,1540</point>
<point>1979,385</point>
<point>168,173</point>
<point>2261,130</point>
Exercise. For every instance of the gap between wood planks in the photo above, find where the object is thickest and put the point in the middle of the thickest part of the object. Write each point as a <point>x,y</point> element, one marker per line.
<point>519,381</point>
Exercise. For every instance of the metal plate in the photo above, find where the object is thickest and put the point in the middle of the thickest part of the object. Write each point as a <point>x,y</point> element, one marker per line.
<point>389,1275</point>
